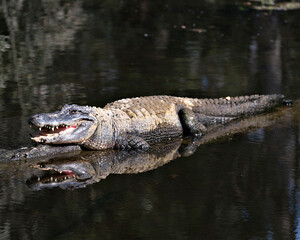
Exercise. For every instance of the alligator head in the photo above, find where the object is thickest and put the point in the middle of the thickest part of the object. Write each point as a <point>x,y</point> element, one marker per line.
<point>72,124</point>
<point>66,174</point>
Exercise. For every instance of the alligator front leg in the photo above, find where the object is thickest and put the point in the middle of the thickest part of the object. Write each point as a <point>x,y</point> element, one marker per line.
<point>129,141</point>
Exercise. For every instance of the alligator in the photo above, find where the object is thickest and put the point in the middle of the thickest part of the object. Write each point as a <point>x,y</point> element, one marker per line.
<point>213,131</point>
<point>136,123</point>
<point>93,166</point>
<point>89,167</point>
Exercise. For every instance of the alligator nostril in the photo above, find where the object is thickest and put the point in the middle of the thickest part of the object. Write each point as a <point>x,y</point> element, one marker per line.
<point>31,121</point>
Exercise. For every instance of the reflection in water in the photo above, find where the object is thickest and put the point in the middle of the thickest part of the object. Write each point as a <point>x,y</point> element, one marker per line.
<point>268,41</point>
<point>249,187</point>
<point>33,45</point>
<point>34,38</point>
<point>91,167</point>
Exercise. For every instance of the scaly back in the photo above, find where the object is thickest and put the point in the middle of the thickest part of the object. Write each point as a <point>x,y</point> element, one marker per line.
<point>218,107</point>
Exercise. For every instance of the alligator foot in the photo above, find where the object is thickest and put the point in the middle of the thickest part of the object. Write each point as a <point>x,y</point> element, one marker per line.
<point>190,123</point>
<point>128,141</point>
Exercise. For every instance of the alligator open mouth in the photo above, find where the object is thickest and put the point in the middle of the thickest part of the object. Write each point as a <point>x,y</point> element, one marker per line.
<point>51,179</point>
<point>49,131</point>
<point>55,177</point>
<point>63,173</point>
<point>72,124</point>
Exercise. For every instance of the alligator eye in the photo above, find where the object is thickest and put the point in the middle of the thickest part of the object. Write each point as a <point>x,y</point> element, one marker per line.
<point>76,111</point>
<point>73,111</point>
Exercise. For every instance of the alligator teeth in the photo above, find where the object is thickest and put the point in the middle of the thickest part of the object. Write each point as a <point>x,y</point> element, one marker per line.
<point>40,129</point>
<point>52,128</point>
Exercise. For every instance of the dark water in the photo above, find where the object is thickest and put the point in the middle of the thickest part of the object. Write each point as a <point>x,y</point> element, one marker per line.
<point>244,186</point>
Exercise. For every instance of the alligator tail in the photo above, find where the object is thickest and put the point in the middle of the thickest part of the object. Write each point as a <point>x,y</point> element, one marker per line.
<point>234,107</point>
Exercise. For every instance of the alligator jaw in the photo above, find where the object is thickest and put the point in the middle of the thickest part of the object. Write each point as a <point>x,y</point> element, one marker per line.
<point>55,177</point>
<point>72,124</point>
<point>64,133</point>
<point>48,132</point>
<point>52,179</point>
<point>63,173</point>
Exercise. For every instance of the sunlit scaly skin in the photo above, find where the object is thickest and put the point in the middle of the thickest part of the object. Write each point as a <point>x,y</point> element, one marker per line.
<point>136,122</point>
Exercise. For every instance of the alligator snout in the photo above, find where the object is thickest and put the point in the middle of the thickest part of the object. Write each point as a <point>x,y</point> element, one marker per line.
<point>38,120</point>
<point>32,121</point>
<point>43,119</point>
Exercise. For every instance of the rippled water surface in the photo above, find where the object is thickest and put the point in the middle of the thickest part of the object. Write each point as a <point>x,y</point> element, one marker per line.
<point>242,186</point>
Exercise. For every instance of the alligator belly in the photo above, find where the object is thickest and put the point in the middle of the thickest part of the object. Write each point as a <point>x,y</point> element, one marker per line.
<point>162,132</point>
